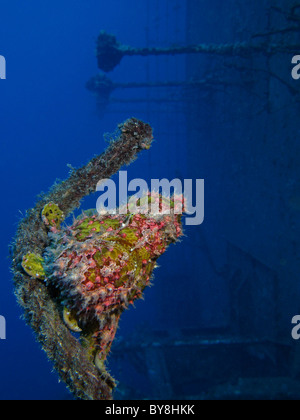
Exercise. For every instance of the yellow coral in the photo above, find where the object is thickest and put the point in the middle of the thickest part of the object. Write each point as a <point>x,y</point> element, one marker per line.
<point>32,264</point>
<point>52,215</point>
<point>70,320</point>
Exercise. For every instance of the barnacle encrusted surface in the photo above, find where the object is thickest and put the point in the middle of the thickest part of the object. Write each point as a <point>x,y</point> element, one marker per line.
<point>80,278</point>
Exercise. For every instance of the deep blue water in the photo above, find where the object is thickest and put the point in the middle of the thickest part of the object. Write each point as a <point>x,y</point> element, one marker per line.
<point>48,120</point>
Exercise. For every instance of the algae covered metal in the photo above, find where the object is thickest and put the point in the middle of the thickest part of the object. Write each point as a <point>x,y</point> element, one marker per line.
<point>74,282</point>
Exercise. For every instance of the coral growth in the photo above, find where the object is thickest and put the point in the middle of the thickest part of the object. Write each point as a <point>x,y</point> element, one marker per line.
<point>52,216</point>
<point>33,265</point>
<point>80,278</point>
<point>101,264</point>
